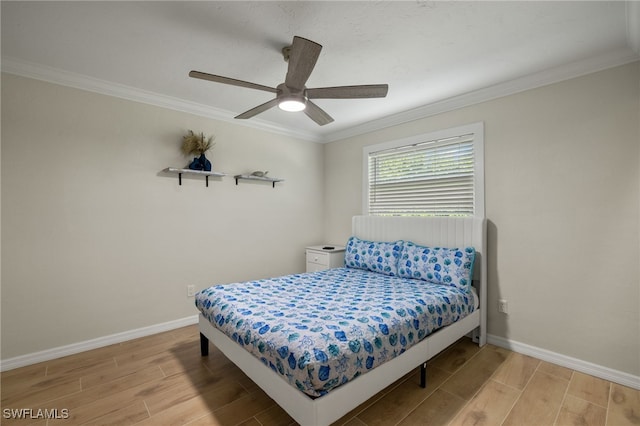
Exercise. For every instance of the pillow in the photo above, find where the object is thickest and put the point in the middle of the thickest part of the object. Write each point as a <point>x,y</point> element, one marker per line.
<point>373,256</point>
<point>449,266</point>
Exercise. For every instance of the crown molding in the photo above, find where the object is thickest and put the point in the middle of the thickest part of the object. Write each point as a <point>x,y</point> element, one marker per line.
<point>610,59</point>
<point>554,75</point>
<point>22,68</point>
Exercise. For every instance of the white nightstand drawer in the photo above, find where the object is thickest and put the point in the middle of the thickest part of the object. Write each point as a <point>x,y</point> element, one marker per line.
<point>324,257</point>
<point>318,257</point>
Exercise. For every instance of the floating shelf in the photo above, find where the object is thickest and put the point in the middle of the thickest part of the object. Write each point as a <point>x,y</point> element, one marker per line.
<point>192,172</point>
<point>262,178</point>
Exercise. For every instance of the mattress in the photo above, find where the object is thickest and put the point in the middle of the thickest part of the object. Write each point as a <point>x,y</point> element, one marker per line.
<point>319,330</point>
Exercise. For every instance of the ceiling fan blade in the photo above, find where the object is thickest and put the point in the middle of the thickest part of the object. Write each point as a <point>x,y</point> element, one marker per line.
<point>317,114</point>
<point>257,110</point>
<point>302,58</point>
<point>232,81</point>
<point>349,92</point>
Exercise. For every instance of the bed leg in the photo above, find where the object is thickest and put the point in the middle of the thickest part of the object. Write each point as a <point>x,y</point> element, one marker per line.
<point>423,375</point>
<point>475,335</point>
<point>204,345</point>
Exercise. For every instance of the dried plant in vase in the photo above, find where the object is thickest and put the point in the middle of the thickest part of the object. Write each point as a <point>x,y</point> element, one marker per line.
<point>197,144</point>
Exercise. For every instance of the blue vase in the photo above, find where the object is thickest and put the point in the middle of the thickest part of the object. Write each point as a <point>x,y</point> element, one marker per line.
<point>206,164</point>
<point>200,163</point>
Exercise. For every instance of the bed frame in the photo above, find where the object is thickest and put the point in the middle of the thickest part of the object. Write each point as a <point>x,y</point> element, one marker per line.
<point>433,231</point>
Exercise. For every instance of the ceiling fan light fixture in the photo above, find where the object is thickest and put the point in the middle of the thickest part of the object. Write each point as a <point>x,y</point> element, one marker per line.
<point>292,105</point>
<point>292,95</point>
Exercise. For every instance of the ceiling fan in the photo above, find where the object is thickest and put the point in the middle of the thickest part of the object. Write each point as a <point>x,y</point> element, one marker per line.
<point>293,95</point>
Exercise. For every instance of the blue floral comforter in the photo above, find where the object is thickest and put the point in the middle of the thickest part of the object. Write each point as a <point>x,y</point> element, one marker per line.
<point>319,330</point>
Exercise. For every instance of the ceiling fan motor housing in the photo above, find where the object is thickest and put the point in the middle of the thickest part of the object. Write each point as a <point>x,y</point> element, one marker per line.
<point>290,99</point>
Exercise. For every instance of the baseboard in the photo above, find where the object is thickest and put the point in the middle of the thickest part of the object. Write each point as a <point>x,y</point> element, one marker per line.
<point>74,348</point>
<point>595,370</point>
<point>586,367</point>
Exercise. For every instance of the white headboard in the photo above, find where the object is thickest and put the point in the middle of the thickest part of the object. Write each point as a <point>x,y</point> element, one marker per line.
<point>432,231</point>
<point>435,232</point>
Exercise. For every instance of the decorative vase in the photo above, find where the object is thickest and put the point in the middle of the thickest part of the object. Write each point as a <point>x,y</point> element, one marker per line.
<point>206,164</point>
<point>200,163</point>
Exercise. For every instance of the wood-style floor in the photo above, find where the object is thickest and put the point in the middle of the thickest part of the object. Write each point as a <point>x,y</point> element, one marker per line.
<point>163,380</point>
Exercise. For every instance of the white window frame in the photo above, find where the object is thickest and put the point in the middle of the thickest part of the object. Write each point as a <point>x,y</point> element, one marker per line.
<point>478,147</point>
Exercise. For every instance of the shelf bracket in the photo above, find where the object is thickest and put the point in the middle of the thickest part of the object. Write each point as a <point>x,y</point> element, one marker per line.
<point>179,178</point>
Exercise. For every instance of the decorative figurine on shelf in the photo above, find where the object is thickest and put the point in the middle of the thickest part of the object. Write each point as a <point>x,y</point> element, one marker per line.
<point>197,144</point>
<point>258,173</point>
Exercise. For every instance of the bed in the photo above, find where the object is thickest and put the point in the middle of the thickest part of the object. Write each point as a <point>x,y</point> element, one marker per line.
<point>321,343</point>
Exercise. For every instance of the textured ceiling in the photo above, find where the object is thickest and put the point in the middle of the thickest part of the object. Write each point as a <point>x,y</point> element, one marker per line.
<point>428,52</point>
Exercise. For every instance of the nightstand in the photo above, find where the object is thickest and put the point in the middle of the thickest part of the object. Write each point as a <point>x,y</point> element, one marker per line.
<point>324,257</point>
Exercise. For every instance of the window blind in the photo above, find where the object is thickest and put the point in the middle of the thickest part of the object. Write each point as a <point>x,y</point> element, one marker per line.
<point>433,178</point>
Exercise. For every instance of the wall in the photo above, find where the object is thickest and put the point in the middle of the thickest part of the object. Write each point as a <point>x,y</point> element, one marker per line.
<point>96,240</point>
<point>562,199</point>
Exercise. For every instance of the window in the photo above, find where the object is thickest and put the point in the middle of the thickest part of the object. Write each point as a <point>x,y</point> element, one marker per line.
<point>435,174</point>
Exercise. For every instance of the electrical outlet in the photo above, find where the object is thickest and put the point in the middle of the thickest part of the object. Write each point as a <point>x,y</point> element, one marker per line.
<point>191,290</point>
<point>502,306</point>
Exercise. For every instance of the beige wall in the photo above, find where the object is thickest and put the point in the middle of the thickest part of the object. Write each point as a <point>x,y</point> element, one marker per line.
<point>562,201</point>
<point>96,241</point>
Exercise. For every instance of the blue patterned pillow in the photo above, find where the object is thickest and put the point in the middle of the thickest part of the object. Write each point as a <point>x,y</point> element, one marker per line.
<point>373,255</point>
<point>449,266</point>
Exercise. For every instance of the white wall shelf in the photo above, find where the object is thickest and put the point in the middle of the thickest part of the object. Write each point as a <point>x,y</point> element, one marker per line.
<point>261,178</point>
<point>180,172</point>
